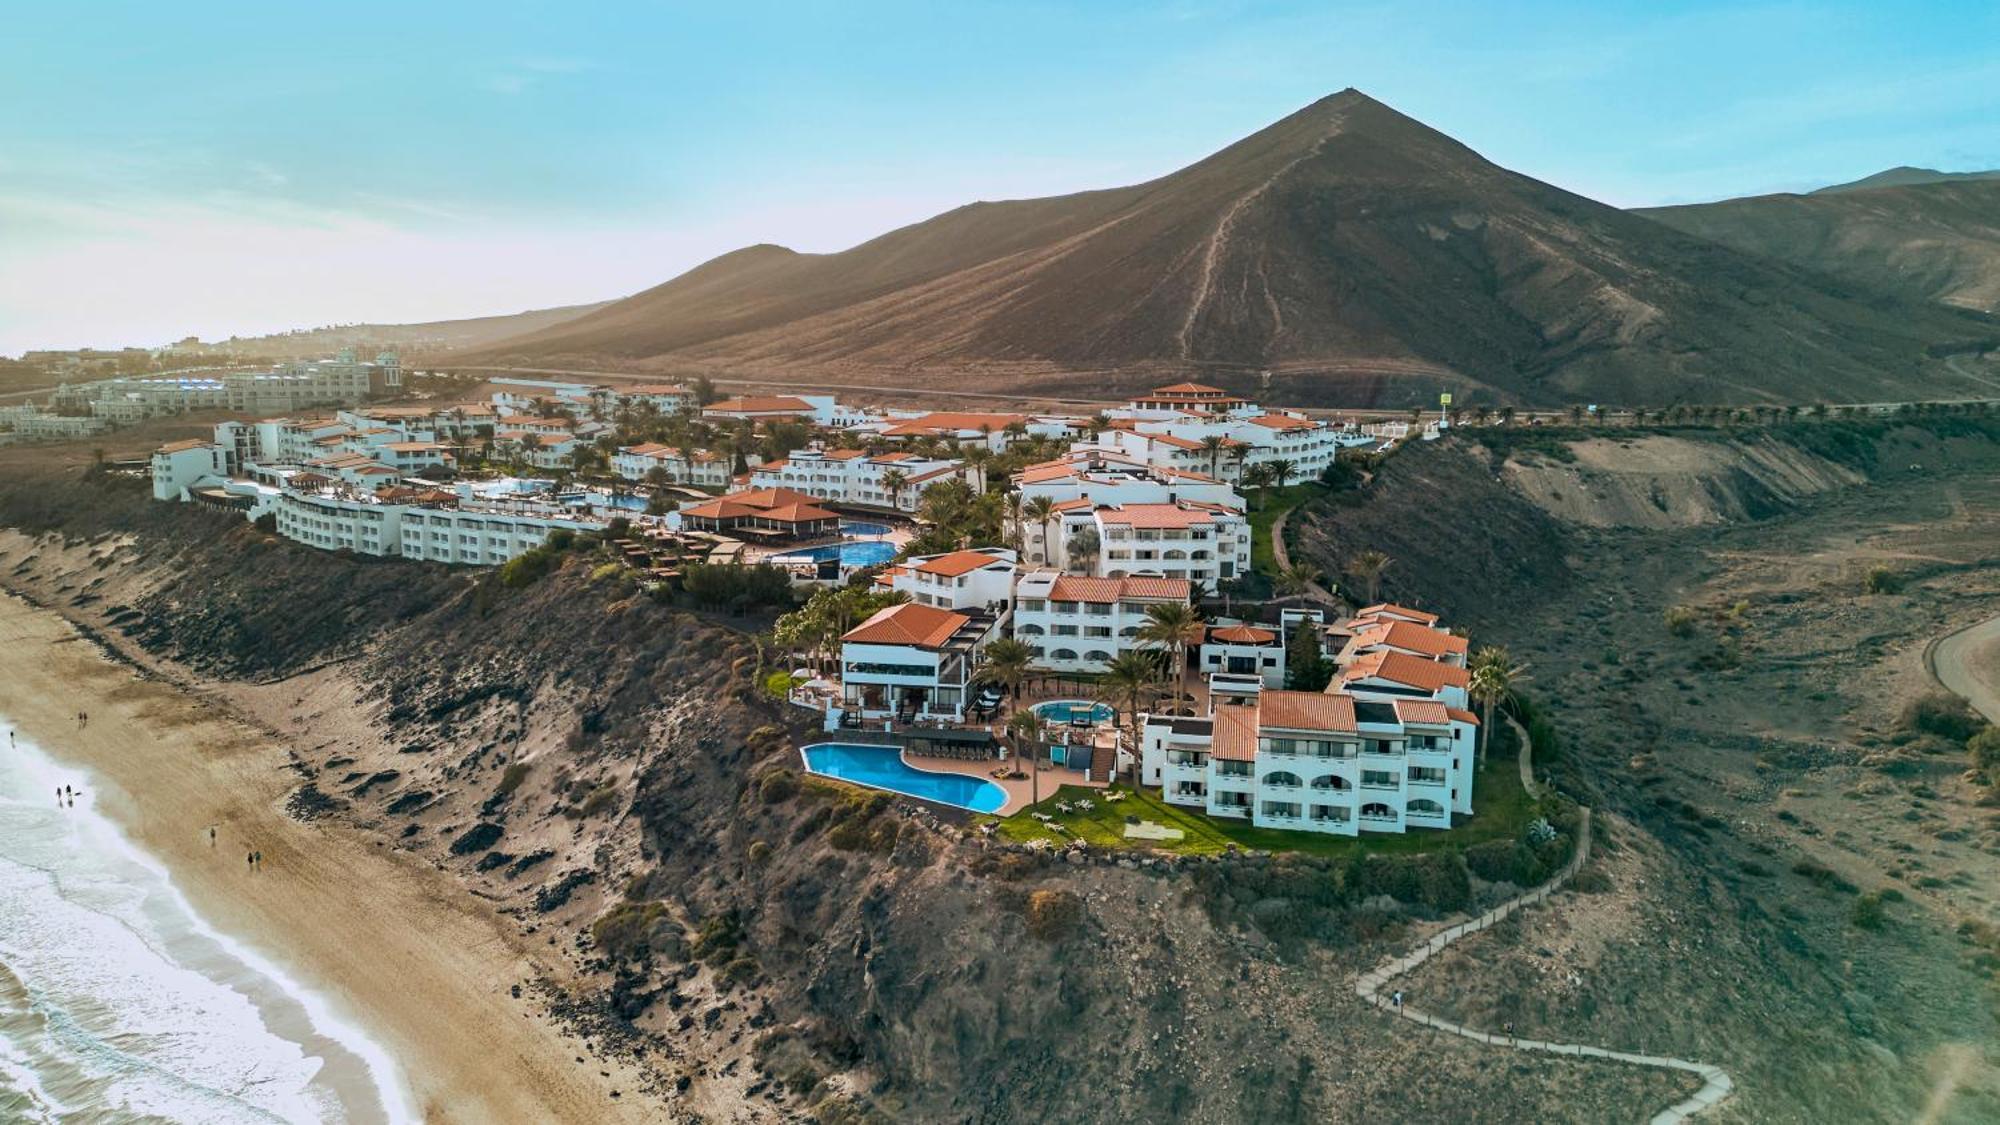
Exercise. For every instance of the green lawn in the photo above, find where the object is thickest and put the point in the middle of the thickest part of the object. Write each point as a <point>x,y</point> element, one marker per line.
<point>1504,811</point>
<point>1270,503</point>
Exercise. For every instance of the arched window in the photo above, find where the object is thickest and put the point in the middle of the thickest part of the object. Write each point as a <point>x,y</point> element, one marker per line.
<point>1283,778</point>
<point>1030,630</point>
<point>1115,574</point>
<point>1424,807</point>
<point>1174,553</point>
<point>1197,554</point>
<point>1129,631</point>
<point>1097,654</point>
<point>1377,808</point>
<point>1063,654</point>
<point>1331,781</point>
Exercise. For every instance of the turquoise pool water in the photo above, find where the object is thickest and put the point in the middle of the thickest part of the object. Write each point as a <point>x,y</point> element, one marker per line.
<point>849,554</point>
<point>1074,711</point>
<point>859,527</point>
<point>882,767</point>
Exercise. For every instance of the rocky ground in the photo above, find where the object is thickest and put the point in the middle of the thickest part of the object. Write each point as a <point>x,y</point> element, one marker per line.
<point>1764,777</point>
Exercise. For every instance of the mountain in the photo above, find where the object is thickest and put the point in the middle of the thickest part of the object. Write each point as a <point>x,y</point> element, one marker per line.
<point>1359,256</point>
<point>430,336</point>
<point>1926,240</point>
<point>1906,176</point>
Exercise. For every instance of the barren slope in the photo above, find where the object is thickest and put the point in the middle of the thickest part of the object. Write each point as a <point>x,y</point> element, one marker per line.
<point>1924,241</point>
<point>1360,255</point>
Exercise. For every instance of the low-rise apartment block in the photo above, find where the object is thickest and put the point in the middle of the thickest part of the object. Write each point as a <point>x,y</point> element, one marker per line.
<point>1077,623</point>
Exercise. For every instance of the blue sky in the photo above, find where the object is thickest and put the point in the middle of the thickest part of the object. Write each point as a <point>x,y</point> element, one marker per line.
<point>213,168</point>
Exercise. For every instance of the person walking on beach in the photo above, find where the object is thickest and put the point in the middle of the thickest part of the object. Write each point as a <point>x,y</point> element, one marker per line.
<point>211,835</point>
<point>250,859</point>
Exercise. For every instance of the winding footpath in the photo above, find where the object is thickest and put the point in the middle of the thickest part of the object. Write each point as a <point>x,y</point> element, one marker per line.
<point>1369,986</point>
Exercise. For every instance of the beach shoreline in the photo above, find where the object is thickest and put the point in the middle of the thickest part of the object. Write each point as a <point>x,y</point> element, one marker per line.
<point>395,945</point>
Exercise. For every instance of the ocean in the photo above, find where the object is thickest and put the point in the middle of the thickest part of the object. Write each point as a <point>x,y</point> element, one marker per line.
<point>118,1003</point>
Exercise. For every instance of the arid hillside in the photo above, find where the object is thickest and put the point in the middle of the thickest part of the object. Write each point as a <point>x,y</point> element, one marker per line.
<point>1360,256</point>
<point>1933,240</point>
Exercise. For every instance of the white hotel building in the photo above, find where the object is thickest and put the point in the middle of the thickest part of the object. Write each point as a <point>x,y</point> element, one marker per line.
<point>853,476</point>
<point>1319,762</point>
<point>1185,539</point>
<point>1080,624</point>
<point>430,530</point>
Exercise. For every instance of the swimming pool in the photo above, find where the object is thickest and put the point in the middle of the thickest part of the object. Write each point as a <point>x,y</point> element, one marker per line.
<point>1075,711</point>
<point>861,527</point>
<point>862,553</point>
<point>882,767</point>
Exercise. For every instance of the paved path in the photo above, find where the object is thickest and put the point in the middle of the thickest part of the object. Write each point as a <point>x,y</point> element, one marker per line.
<point>1283,557</point>
<point>1952,663</point>
<point>1527,756</point>
<point>1715,1083</point>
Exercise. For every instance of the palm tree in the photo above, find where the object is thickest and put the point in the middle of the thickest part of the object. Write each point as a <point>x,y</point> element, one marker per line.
<point>1173,626</point>
<point>1005,662</point>
<point>1493,675</point>
<point>1258,477</point>
<point>1297,578</point>
<point>1130,678</point>
<point>1041,509</point>
<point>1283,470</point>
<point>976,458</point>
<point>1025,727</point>
<point>1213,445</point>
<point>1366,568</point>
<point>894,480</point>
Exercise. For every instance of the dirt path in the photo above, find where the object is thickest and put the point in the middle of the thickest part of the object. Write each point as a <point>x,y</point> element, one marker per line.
<point>1716,1084</point>
<point>1283,557</point>
<point>1967,663</point>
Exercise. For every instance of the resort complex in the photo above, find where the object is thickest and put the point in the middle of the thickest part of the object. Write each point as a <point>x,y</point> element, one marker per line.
<point>996,557</point>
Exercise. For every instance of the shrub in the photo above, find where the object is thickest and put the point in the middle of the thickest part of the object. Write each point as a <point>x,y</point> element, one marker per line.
<point>760,853</point>
<point>512,777</point>
<point>778,685</point>
<point>1946,716</point>
<point>1984,750</point>
<point>1681,620</point>
<point>1867,912</point>
<point>1053,915</point>
<point>605,570</point>
<point>528,567</point>
<point>1882,580</point>
<point>778,786</point>
<point>625,929</point>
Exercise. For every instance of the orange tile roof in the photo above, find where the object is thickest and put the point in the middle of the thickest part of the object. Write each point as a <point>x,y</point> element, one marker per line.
<point>1189,389</point>
<point>1284,422</point>
<point>1420,639</point>
<point>1305,710</point>
<point>1104,591</point>
<point>953,420</point>
<point>921,626</point>
<point>1402,668</point>
<point>1241,635</point>
<point>765,404</point>
<point>181,446</point>
<point>1459,716</point>
<point>1428,712</point>
<point>957,563</point>
<point>1235,737</point>
<point>1176,442</point>
<point>1160,515</point>
<point>1394,610</point>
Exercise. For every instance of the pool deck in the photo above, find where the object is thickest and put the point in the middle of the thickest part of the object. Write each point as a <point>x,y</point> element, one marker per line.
<point>1019,794</point>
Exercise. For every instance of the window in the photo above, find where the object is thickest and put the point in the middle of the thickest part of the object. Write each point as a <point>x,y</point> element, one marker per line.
<point>1063,654</point>
<point>1427,775</point>
<point>1378,779</point>
<point>1426,808</point>
<point>1097,654</point>
<point>1331,782</point>
<point>1282,810</point>
<point>1376,810</point>
<point>1330,813</point>
<point>1283,779</point>
<point>1232,769</point>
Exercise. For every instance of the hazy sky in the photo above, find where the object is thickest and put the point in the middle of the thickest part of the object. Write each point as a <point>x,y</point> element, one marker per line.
<point>209,168</point>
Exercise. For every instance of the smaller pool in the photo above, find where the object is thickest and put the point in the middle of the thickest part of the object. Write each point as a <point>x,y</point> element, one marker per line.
<point>859,527</point>
<point>882,767</point>
<point>850,554</point>
<point>1075,711</point>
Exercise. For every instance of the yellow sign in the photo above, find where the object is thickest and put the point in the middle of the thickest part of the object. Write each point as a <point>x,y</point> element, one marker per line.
<point>1444,399</point>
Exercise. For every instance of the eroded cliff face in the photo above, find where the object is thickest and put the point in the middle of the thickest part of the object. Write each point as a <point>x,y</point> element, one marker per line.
<point>605,767</point>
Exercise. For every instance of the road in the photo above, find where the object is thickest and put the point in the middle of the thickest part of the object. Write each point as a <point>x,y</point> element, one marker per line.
<point>1967,663</point>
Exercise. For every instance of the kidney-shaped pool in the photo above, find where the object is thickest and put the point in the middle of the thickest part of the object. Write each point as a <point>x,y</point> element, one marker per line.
<point>882,767</point>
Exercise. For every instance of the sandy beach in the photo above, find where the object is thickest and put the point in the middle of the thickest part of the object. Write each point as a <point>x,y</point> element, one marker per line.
<point>400,948</point>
